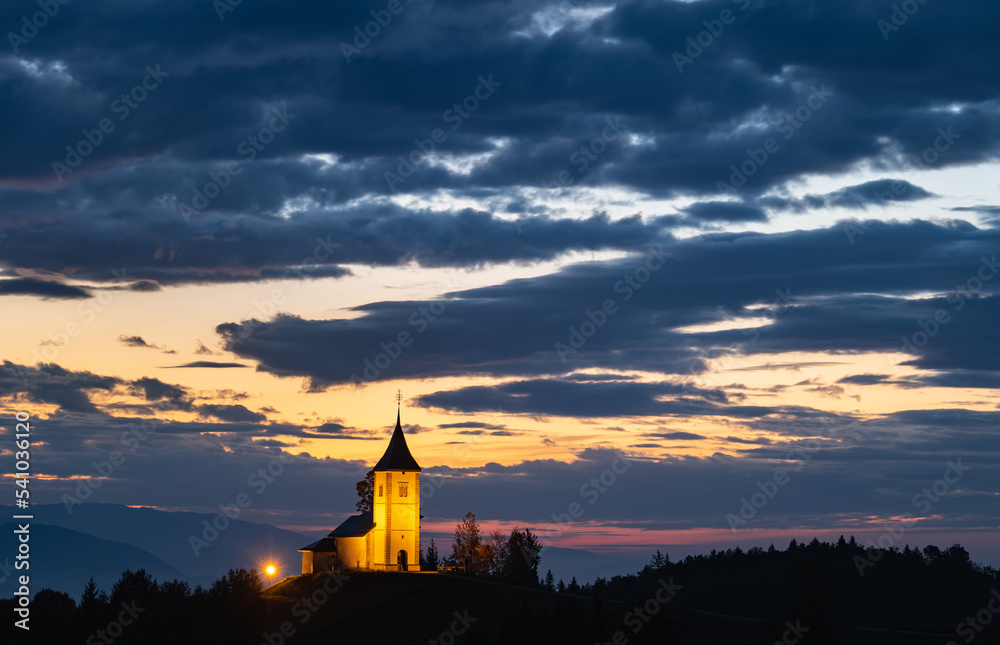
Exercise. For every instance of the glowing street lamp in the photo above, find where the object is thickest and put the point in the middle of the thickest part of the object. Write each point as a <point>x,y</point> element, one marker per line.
<point>270,571</point>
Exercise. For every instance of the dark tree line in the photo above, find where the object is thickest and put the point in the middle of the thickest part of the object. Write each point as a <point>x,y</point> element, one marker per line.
<point>823,584</point>
<point>140,610</point>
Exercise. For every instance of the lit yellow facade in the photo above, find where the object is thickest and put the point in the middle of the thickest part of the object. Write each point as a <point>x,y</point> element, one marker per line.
<point>389,538</point>
<point>397,520</point>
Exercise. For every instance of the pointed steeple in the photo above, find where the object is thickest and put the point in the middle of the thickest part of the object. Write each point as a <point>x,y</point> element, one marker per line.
<point>397,456</point>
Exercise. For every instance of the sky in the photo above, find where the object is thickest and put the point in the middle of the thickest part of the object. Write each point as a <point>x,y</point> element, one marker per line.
<point>647,274</point>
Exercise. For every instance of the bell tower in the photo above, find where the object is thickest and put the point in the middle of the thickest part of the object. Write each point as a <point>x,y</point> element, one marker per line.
<point>396,513</point>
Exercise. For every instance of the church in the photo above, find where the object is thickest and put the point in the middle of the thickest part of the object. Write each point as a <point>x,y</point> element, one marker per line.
<point>387,538</point>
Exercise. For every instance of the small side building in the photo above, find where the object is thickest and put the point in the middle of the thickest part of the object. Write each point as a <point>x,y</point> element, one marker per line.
<point>386,539</point>
<point>346,547</point>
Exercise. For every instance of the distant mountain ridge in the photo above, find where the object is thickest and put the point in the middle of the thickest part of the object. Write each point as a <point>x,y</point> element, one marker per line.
<point>64,559</point>
<point>165,537</point>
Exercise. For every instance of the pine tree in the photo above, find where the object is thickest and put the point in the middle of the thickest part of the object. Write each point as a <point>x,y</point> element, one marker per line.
<point>550,581</point>
<point>432,559</point>
<point>92,598</point>
<point>523,557</point>
<point>574,586</point>
<point>561,587</point>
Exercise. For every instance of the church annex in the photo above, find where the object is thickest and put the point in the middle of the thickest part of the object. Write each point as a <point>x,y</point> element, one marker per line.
<point>387,539</point>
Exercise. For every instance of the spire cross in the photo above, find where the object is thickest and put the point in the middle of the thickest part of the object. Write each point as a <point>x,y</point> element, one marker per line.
<point>399,397</point>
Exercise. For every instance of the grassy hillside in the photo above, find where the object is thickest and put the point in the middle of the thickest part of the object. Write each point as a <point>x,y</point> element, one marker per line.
<point>417,608</point>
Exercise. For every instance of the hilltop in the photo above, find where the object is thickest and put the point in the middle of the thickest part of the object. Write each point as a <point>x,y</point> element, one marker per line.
<point>412,608</point>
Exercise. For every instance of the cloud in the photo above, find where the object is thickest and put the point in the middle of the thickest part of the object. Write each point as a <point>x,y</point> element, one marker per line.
<point>725,212</point>
<point>675,436</point>
<point>210,364</point>
<point>596,400</point>
<point>145,286</point>
<point>471,424</point>
<point>153,389</point>
<point>232,413</point>
<point>910,449</point>
<point>43,288</point>
<point>880,192</point>
<point>494,433</point>
<point>758,441</point>
<point>330,428</point>
<point>52,384</point>
<point>202,349</point>
<point>314,202</point>
<point>323,178</point>
<point>138,341</point>
<point>864,379</point>
<point>864,298</point>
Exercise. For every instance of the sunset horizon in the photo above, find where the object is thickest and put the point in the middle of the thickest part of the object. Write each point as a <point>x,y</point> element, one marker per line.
<point>688,277</point>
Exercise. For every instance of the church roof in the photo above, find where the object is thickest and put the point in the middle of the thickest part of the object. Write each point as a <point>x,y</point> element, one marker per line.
<point>354,526</point>
<point>326,544</point>
<point>397,456</point>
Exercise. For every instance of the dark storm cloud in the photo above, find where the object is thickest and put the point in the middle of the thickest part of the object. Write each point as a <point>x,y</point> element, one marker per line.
<point>675,436</point>
<point>471,424</point>
<point>42,288</point>
<point>881,192</point>
<point>550,397</point>
<point>234,413</point>
<point>855,471</point>
<point>761,441</point>
<point>957,378</point>
<point>50,383</point>
<point>841,298</point>
<point>209,364</point>
<point>725,212</point>
<point>864,379</point>
<point>153,389</point>
<point>240,248</point>
<point>331,428</point>
<point>494,433</point>
<point>876,102</point>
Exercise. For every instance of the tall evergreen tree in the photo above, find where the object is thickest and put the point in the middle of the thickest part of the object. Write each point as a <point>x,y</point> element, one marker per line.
<point>92,599</point>
<point>524,551</point>
<point>432,559</point>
